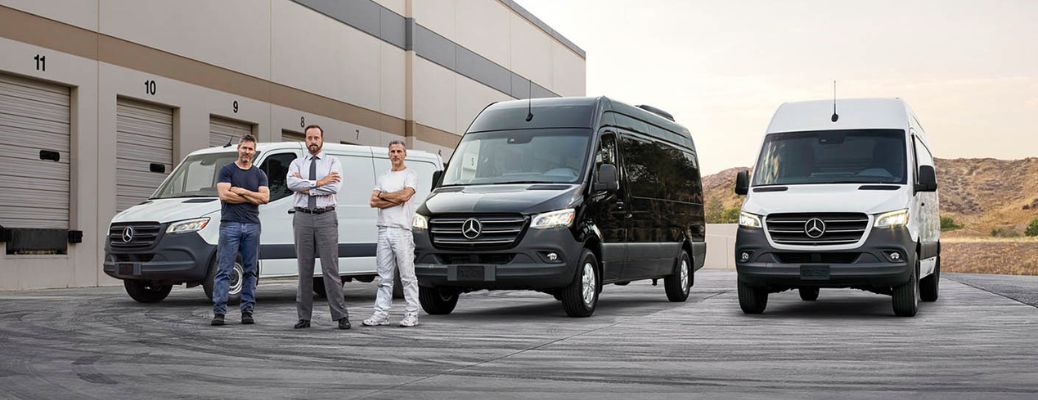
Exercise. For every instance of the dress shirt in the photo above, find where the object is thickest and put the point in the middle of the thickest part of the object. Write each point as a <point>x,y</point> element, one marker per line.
<point>304,188</point>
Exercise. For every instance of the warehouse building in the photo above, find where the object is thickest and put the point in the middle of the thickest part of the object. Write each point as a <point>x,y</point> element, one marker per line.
<point>100,99</point>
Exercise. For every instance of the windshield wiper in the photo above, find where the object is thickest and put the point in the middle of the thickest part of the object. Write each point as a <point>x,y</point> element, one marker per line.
<point>182,196</point>
<point>519,182</point>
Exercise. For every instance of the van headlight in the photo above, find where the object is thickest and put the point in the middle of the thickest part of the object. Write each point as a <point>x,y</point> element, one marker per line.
<point>420,222</point>
<point>554,219</point>
<point>892,219</point>
<point>191,225</point>
<point>747,220</point>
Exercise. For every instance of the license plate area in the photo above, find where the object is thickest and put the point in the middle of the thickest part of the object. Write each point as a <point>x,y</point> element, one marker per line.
<point>814,272</point>
<point>471,273</point>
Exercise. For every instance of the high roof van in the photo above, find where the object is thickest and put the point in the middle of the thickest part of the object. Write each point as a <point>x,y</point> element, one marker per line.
<point>563,196</point>
<point>171,238</point>
<point>843,195</point>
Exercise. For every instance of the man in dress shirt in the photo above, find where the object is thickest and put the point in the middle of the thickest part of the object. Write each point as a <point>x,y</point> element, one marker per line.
<point>315,179</point>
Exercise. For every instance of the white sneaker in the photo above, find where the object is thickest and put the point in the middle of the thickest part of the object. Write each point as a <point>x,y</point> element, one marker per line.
<point>376,320</point>
<point>409,320</point>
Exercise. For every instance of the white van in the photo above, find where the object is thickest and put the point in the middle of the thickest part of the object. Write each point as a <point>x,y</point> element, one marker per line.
<point>171,238</point>
<point>840,198</point>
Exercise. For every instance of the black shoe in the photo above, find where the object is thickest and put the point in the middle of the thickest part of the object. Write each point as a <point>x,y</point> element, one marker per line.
<point>344,323</point>
<point>217,320</point>
<point>246,318</point>
<point>303,323</point>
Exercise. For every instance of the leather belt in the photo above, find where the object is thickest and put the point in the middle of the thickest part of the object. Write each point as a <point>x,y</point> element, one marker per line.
<point>315,210</point>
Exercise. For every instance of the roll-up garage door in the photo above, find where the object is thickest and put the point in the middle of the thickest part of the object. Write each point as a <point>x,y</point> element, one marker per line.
<point>144,150</point>
<point>34,154</point>
<point>222,131</point>
<point>290,136</point>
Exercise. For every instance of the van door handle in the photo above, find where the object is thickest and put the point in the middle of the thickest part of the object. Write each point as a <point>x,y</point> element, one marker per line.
<point>620,205</point>
<point>291,211</point>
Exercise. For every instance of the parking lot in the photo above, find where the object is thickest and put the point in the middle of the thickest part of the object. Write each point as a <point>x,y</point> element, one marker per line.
<point>977,341</point>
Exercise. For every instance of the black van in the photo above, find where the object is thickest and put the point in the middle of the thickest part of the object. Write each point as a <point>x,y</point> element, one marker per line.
<point>562,196</point>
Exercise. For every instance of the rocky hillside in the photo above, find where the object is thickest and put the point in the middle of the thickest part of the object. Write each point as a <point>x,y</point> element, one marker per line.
<point>980,194</point>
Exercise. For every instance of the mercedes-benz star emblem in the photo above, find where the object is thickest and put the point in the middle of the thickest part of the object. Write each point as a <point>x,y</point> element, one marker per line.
<point>471,228</point>
<point>814,228</point>
<point>127,234</point>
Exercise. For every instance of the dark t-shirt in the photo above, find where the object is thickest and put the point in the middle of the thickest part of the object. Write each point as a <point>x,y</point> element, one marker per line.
<point>250,179</point>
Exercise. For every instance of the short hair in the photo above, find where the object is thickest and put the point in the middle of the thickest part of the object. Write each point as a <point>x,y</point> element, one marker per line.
<point>247,138</point>
<point>400,142</point>
<point>314,126</point>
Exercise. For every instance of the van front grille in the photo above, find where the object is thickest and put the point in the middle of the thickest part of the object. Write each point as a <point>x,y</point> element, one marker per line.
<point>818,229</point>
<point>465,232</point>
<point>133,236</point>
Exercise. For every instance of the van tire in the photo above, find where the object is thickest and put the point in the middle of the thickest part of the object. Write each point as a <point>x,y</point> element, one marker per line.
<point>905,298</point>
<point>233,294</point>
<point>752,300</point>
<point>145,291</point>
<point>930,286</point>
<point>679,284</point>
<point>581,296</point>
<point>809,293</point>
<point>437,301</point>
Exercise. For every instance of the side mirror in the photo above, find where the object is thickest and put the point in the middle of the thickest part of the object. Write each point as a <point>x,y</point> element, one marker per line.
<point>606,179</point>
<point>437,179</point>
<point>742,183</point>
<point>927,179</point>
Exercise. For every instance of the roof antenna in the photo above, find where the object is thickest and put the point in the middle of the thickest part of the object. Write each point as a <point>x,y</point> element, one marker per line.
<point>529,102</point>
<point>835,115</point>
<point>228,143</point>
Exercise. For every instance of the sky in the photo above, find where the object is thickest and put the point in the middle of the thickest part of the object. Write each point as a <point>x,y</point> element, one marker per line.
<point>969,69</point>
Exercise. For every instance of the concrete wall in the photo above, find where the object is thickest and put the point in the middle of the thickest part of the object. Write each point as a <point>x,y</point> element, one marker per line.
<point>284,63</point>
<point>720,246</point>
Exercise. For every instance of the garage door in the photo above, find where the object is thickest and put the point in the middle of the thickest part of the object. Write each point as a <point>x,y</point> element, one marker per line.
<point>34,154</point>
<point>144,150</point>
<point>222,131</point>
<point>290,136</point>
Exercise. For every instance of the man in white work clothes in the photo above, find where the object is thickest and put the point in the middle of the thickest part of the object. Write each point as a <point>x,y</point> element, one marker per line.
<point>393,198</point>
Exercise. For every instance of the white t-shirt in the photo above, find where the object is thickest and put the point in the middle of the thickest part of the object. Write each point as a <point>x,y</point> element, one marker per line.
<point>394,181</point>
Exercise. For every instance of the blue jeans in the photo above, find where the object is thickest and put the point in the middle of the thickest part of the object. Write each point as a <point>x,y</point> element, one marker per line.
<point>236,238</point>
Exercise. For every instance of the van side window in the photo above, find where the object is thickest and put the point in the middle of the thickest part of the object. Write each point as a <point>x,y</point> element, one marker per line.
<point>606,151</point>
<point>638,161</point>
<point>276,168</point>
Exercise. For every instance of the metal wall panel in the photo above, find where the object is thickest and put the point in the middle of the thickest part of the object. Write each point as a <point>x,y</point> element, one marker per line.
<point>34,118</point>
<point>222,131</point>
<point>144,137</point>
<point>290,136</point>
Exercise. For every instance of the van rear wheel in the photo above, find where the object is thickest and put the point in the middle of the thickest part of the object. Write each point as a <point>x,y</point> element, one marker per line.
<point>679,284</point>
<point>581,296</point>
<point>809,293</point>
<point>437,301</point>
<point>145,291</point>
<point>752,300</point>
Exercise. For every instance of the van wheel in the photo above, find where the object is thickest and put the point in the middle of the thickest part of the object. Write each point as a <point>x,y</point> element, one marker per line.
<point>145,291</point>
<point>929,286</point>
<point>679,284</point>
<point>581,296</point>
<point>906,296</point>
<point>235,284</point>
<point>437,301</point>
<point>752,300</point>
<point>809,293</point>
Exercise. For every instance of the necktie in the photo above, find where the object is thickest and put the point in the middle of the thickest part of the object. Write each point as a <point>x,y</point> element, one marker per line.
<point>312,201</point>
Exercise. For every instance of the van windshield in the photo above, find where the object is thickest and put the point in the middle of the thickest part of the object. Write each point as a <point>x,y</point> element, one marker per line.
<point>519,156</point>
<point>196,176</point>
<point>839,156</point>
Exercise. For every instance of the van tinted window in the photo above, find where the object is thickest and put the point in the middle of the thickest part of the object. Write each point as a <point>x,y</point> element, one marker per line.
<point>837,156</point>
<point>639,155</point>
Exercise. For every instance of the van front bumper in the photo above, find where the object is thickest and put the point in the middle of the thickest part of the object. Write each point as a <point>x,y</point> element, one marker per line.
<point>177,258</point>
<point>524,266</point>
<point>870,266</point>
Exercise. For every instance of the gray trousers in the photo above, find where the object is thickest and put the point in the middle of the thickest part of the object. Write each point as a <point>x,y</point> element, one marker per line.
<point>318,234</point>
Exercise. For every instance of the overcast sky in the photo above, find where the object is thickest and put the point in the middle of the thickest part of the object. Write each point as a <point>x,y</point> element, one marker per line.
<point>969,69</point>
